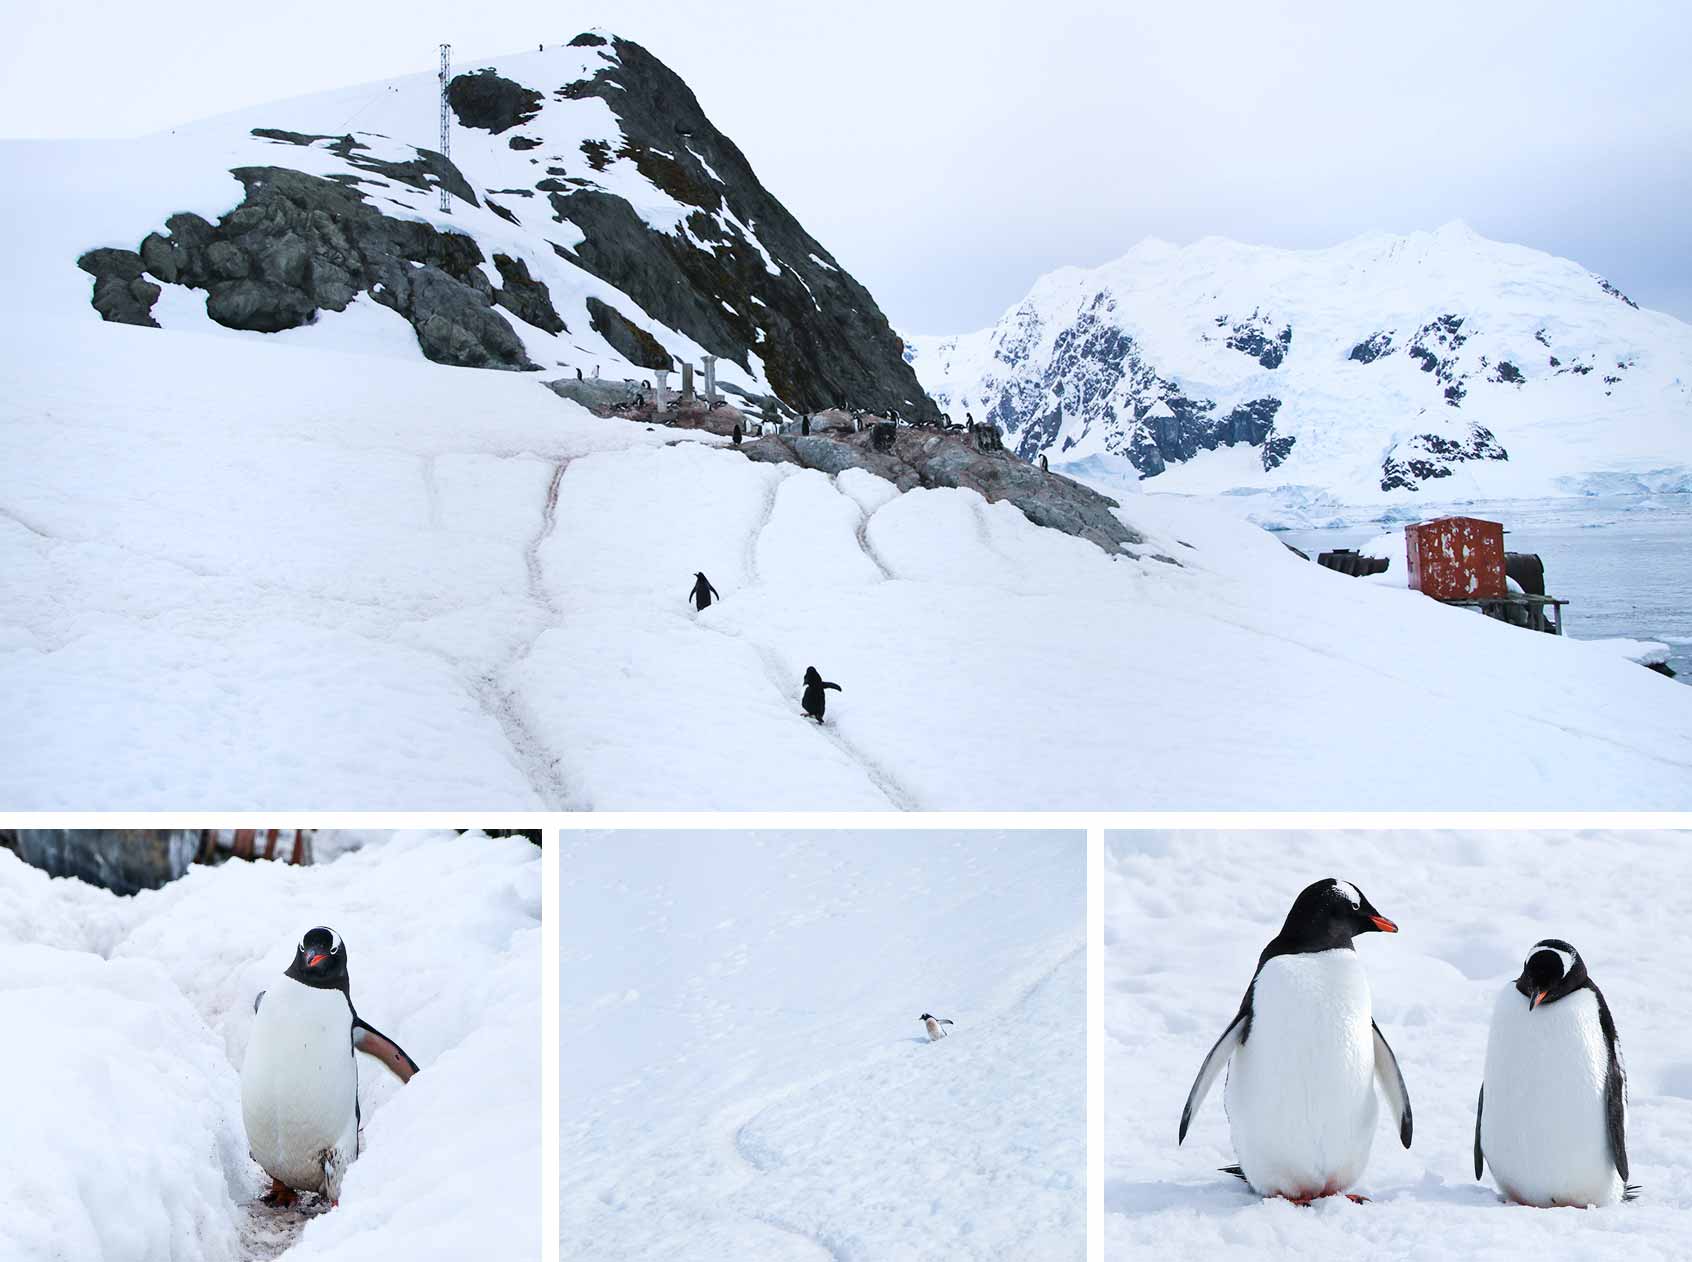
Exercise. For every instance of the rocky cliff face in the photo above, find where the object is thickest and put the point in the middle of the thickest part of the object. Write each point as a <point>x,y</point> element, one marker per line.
<point>598,220</point>
<point>1386,365</point>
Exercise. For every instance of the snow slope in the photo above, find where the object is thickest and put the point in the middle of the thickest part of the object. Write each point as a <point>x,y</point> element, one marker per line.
<point>1353,354</point>
<point>127,1023</point>
<point>1186,915</point>
<point>266,576</point>
<point>744,1074</point>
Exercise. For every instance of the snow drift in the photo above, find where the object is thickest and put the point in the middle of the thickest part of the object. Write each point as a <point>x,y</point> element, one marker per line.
<point>744,1073</point>
<point>128,1020</point>
<point>1185,917</point>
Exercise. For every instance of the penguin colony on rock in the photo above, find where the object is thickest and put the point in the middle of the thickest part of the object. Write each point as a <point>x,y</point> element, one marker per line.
<point>1304,1056</point>
<point>299,1082</point>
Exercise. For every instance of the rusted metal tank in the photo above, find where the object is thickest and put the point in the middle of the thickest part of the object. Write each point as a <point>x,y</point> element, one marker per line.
<point>1456,558</point>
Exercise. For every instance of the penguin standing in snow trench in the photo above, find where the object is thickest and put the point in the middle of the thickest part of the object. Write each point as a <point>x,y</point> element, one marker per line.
<point>703,593</point>
<point>1304,1055</point>
<point>299,1082</point>
<point>1551,1120</point>
<point>814,701</point>
<point>932,1024</point>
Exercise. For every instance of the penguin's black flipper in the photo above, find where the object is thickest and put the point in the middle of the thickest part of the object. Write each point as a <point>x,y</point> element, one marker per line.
<point>1480,1158</point>
<point>1391,1079</point>
<point>1218,1056</point>
<point>836,687</point>
<point>372,1042</point>
<point>1615,1088</point>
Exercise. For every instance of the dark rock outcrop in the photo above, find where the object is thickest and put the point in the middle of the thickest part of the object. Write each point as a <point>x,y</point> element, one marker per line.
<point>1372,348</point>
<point>122,294</point>
<point>923,458</point>
<point>490,102</point>
<point>629,340</point>
<point>820,336</point>
<point>299,243</point>
<point>1257,337</point>
<point>1427,456</point>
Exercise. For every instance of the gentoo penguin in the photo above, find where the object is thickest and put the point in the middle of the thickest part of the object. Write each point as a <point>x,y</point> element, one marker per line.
<point>932,1024</point>
<point>299,1082</point>
<point>702,593</point>
<point>1552,1115</point>
<point>814,701</point>
<point>1306,1054</point>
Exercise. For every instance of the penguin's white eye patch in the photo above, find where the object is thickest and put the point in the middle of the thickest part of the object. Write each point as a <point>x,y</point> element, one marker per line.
<point>334,943</point>
<point>1349,892</point>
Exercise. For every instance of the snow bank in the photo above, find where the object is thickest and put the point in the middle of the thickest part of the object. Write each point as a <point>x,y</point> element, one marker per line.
<point>442,934</point>
<point>276,576</point>
<point>744,1071</point>
<point>1186,915</point>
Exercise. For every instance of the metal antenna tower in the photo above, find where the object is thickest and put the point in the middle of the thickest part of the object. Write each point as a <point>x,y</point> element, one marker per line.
<point>446,122</point>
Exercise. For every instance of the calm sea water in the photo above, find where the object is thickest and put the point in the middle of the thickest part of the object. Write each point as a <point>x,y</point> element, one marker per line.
<point>1624,563</point>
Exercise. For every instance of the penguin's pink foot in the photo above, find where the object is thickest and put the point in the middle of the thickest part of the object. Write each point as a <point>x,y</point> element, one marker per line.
<point>280,1196</point>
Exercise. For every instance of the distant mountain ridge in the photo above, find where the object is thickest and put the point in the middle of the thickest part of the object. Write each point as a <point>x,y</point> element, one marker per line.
<point>1422,363</point>
<point>599,220</point>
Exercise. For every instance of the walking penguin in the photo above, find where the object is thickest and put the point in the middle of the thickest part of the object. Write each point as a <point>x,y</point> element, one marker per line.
<point>932,1024</point>
<point>1552,1116</point>
<point>814,701</point>
<point>299,1082</point>
<point>703,593</point>
<point>1307,1055</point>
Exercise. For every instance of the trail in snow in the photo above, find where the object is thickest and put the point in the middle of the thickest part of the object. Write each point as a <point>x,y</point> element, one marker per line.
<point>267,1232</point>
<point>744,1004</point>
<point>896,794</point>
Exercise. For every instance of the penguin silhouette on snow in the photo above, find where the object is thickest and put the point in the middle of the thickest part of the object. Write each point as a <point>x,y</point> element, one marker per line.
<point>703,593</point>
<point>932,1024</point>
<point>814,701</point>
<point>1552,1116</point>
<point>299,1081</point>
<point>1304,1055</point>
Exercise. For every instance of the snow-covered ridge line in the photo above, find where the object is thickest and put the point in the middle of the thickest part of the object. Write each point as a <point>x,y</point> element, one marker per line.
<point>1436,363</point>
<point>579,235</point>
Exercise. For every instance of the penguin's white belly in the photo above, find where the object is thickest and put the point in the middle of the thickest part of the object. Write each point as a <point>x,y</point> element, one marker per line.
<point>1543,1124</point>
<point>1301,1091</point>
<point>299,1087</point>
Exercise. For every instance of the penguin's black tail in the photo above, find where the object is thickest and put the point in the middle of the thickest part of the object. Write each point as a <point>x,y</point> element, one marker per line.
<point>1233,1170</point>
<point>1630,1191</point>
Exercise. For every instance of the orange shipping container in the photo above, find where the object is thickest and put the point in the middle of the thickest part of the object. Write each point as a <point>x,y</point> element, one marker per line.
<point>1456,558</point>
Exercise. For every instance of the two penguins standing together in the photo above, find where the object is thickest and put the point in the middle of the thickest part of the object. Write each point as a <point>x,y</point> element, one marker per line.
<point>1304,1056</point>
<point>814,702</point>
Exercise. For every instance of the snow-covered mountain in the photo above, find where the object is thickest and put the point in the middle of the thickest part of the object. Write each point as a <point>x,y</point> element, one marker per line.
<point>597,220</point>
<point>1436,364</point>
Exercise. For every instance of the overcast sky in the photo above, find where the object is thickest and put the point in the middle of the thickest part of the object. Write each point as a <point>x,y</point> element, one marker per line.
<point>950,153</point>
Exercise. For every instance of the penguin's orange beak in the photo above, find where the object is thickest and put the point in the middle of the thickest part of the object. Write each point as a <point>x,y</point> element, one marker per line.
<point>1537,1000</point>
<point>1383,924</point>
<point>315,960</point>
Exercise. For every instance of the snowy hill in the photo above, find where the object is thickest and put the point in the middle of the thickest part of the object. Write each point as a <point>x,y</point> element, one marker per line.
<point>744,1072</point>
<point>128,1021</point>
<point>598,221</point>
<point>1435,364</point>
<point>1185,918</point>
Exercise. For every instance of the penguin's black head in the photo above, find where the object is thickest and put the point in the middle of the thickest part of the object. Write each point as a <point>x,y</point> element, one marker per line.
<point>1329,914</point>
<point>1553,969</point>
<point>811,676</point>
<point>925,1017</point>
<point>320,959</point>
